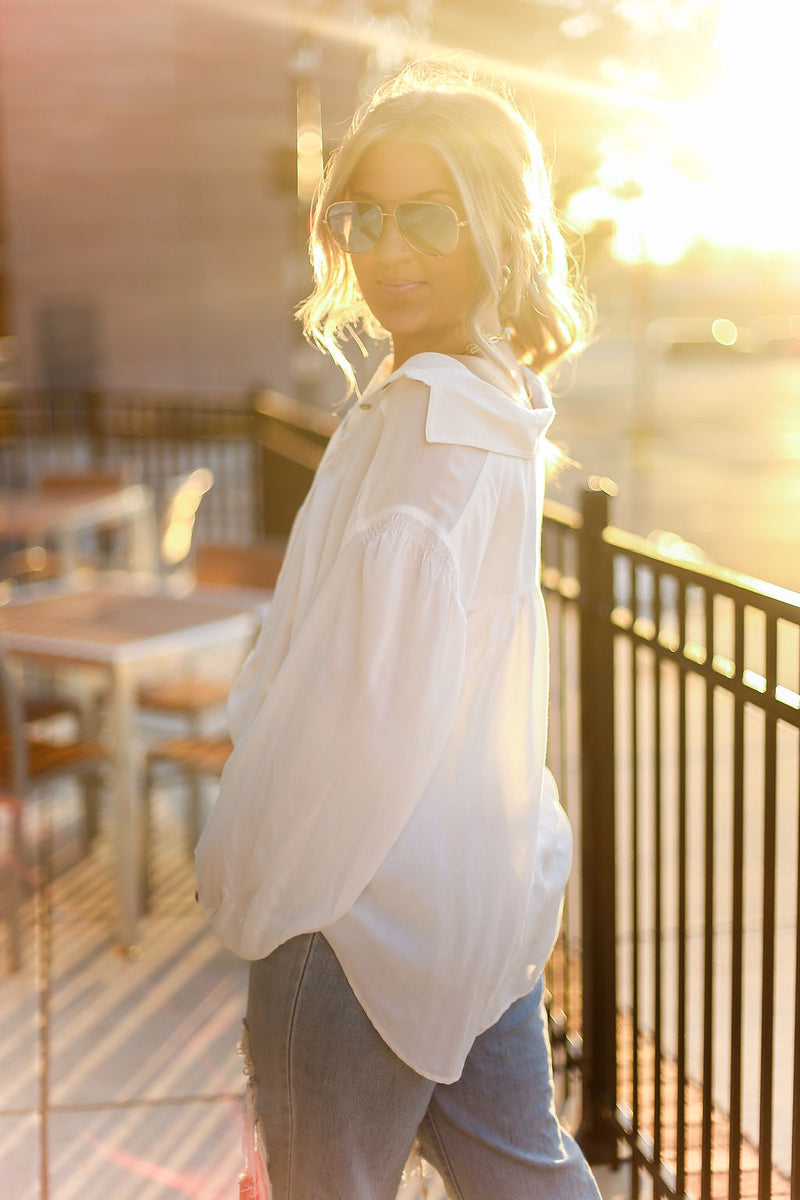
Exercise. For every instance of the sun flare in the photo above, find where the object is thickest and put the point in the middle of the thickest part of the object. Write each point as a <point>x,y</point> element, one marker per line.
<point>723,169</point>
<point>748,126</point>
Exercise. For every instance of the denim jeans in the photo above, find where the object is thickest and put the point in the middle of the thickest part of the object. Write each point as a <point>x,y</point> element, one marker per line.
<point>340,1111</point>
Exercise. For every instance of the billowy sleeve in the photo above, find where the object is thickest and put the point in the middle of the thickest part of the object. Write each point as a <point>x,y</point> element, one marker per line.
<point>332,763</point>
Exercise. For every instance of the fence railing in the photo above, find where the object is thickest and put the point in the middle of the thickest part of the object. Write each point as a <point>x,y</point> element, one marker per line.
<point>262,448</point>
<point>159,436</point>
<point>675,735</point>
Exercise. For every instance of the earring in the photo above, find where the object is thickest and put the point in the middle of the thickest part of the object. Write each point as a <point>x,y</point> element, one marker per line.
<point>505,278</point>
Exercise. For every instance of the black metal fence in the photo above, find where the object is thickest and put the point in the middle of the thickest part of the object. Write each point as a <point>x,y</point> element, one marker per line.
<point>262,448</point>
<point>160,437</point>
<point>675,736</point>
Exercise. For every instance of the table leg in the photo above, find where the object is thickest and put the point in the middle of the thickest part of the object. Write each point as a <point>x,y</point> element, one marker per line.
<point>89,700</point>
<point>125,801</point>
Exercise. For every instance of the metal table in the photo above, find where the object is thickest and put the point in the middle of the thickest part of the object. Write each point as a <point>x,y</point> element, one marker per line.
<point>120,631</point>
<point>36,514</point>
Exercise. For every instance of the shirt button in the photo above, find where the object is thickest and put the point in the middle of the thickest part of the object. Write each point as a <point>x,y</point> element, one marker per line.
<point>365,405</point>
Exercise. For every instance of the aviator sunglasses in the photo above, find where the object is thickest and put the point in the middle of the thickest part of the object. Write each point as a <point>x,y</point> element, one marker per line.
<point>426,227</point>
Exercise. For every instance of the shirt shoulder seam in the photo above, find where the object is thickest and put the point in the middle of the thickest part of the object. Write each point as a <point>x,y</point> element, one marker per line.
<point>415,524</point>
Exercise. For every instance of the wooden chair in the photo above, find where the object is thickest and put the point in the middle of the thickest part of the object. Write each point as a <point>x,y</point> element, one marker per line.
<point>256,565</point>
<point>25,763</point>
<point>31,564</point>
<point>59,482</point>
<point>37,707</point>
<point>193,758</point>
<point>253,566</point>
<point>176,526</point>
<point>191,697</point>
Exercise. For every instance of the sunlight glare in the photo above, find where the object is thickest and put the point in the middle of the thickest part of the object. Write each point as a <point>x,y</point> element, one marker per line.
<point>743,131</point>
<point>724,332</point>
<point>725,170</point>
<point>744,187</point>
<point>655,208</point>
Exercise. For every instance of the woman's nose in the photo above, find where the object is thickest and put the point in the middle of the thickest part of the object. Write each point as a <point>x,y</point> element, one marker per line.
<point>391,243</point>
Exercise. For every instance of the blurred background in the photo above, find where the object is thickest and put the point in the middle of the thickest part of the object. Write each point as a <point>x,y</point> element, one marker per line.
<point>157,162</point>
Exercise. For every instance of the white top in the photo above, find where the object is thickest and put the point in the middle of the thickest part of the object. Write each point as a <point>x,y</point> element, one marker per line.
<point>387,784</point>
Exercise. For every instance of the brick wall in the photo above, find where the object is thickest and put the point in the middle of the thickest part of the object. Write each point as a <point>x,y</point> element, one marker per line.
<point>148,241</point>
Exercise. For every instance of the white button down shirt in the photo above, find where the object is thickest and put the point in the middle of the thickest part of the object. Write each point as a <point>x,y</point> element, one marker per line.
<point>387,784</point>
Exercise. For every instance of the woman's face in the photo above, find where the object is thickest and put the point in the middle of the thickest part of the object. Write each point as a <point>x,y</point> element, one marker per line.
<point>419,299</point>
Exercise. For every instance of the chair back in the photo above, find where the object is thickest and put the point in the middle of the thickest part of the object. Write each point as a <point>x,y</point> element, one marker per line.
<point>60,482</point>
<point>179,515</point>
<point>251,566</point>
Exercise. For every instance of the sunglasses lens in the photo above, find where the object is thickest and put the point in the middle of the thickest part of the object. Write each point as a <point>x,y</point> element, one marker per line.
<point>428,228</point>
<point>355,226</point>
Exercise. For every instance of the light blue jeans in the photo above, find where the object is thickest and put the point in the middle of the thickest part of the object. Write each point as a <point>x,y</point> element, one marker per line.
<point>340,1111</point>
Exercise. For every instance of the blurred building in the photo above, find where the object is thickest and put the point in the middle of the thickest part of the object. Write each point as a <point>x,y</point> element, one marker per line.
<point>152,234</point>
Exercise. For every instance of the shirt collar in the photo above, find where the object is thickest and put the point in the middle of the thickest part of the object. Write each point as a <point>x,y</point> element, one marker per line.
<point>465,410</point>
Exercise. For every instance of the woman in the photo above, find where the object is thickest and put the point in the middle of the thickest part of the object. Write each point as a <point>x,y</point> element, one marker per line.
<point>387,845</point>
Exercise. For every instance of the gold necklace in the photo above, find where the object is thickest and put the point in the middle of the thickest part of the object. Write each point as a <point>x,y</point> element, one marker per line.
<point>492,338</point>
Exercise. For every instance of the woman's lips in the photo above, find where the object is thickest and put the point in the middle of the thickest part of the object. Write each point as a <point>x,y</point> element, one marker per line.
<point>400,287</point>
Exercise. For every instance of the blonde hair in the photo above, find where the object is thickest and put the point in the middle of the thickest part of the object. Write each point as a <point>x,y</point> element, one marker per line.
<point>494,156</point>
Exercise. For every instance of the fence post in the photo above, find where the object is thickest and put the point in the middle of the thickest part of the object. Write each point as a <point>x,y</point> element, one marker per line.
<point>598,910</point>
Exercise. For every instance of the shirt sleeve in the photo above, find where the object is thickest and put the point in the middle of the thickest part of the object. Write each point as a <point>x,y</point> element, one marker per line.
<point>335,758</point>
